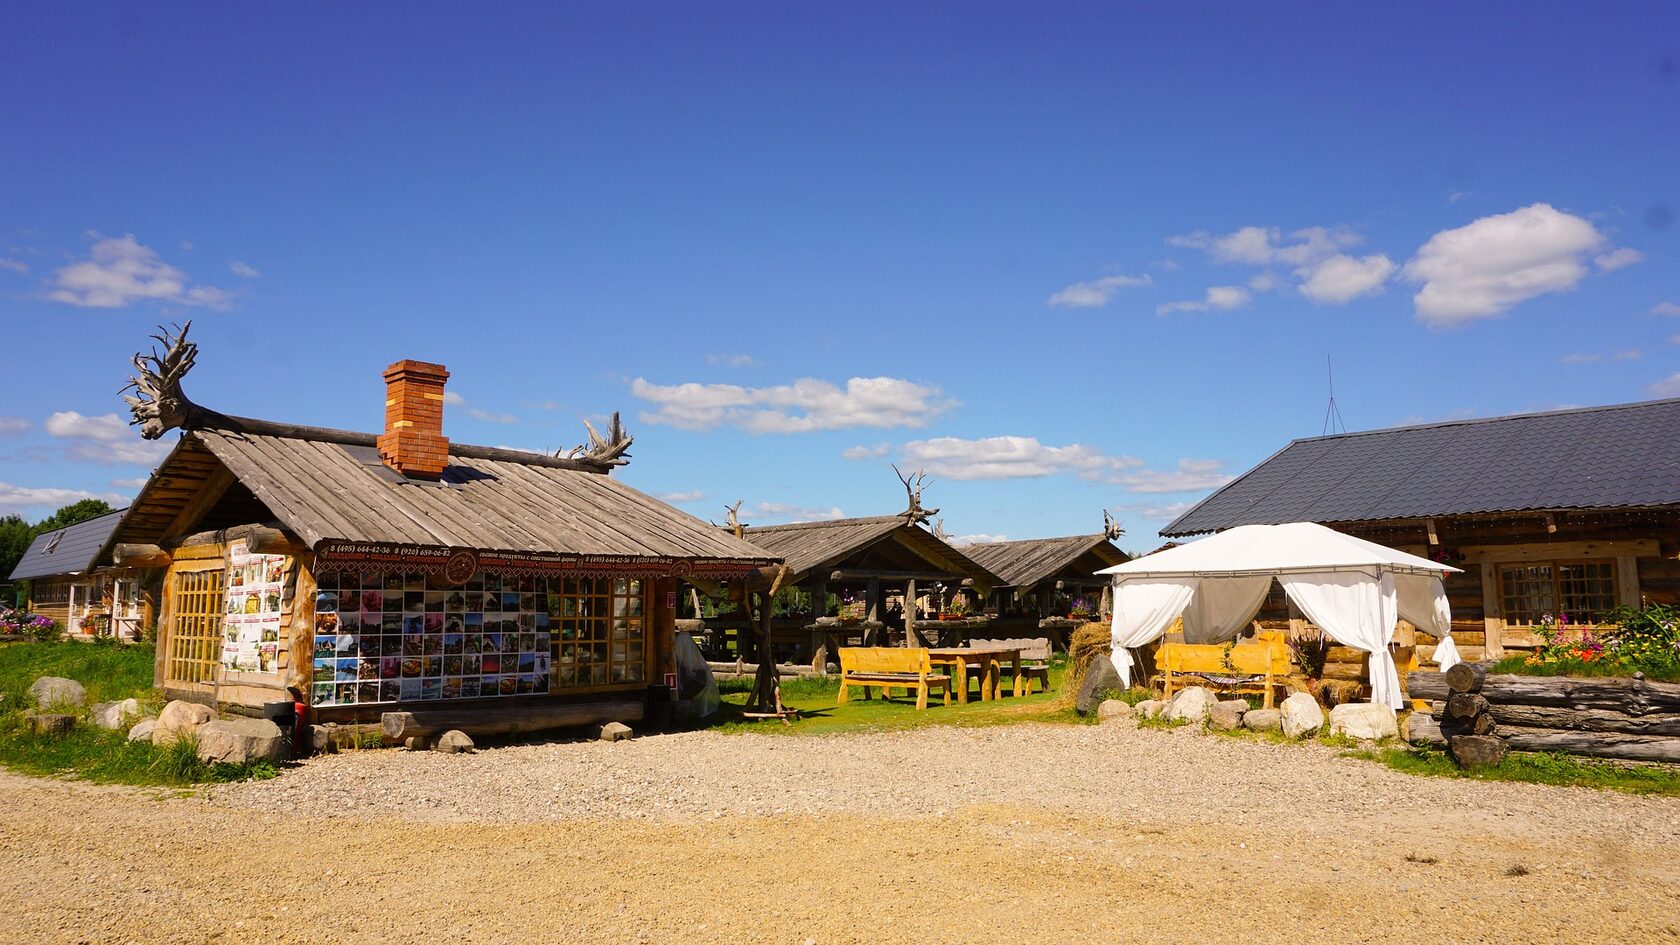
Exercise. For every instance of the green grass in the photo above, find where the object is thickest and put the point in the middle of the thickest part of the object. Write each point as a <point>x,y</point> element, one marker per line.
<point>109,672</point>
<point>1519,666</point>
<point>816,698</point>
<point>1534,768</point>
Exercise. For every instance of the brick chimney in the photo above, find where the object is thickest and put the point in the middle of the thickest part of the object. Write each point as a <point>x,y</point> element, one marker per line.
<point>413,442</point>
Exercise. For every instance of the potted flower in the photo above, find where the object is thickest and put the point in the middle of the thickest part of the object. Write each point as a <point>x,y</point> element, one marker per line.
<point>1080,609</point>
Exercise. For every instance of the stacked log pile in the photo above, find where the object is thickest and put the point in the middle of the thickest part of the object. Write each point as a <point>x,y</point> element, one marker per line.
<point>1623,718</point>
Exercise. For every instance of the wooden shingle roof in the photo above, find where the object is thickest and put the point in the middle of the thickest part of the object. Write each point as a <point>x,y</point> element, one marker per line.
<point>330,485</point>
<point>812,547</point>
<point>1027,562</point>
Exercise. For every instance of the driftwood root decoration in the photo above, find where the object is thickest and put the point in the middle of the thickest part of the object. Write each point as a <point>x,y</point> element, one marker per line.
<point>913,486</point>
<point>158,405</point>
<point>939,531</point>
<point>604,451</point>
<point>734,519</point>
<point>1112,530</point>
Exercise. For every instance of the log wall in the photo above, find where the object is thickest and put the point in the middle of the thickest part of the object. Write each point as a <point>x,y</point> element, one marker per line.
<point>1621,718</point>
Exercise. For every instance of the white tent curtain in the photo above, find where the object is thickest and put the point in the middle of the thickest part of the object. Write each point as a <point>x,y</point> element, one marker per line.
<point>1223,606</point>
<point>1357,610</point>
<point>1143,609</point>
<point>1423,602</point>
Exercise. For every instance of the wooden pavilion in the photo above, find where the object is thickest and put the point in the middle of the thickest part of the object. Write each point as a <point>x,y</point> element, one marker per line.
<point>1047,579</point>
<point>475,587</point>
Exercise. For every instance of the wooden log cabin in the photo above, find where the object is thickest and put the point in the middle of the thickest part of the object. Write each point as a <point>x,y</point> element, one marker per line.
<point>363,574</point>
<point>67,584</point>
<point>1564,512</point>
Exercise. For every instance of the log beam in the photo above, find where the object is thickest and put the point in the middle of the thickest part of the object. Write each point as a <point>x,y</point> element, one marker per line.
<point>504,720</point>
<point>130,555</point>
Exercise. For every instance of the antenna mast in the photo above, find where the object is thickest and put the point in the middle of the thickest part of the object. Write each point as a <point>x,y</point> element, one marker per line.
<point>1332,413</point>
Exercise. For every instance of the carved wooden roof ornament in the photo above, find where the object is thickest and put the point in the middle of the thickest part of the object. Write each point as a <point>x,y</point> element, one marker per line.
<point>604,452</point>
<point>915,514</point>
<point>1112,529</point>
<point>158,405</point>
<point>734,519</point>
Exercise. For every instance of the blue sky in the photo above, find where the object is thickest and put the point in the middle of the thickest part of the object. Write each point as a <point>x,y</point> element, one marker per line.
<point>795,243</point>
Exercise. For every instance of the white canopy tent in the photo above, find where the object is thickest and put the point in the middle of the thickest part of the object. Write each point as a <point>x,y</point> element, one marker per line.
<point>1352,589</point>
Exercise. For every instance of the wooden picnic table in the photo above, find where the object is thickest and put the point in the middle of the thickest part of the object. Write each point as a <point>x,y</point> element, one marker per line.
<point>988,660</point>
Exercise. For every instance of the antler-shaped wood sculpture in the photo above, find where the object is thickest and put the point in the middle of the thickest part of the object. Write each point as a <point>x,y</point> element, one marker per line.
<point>913,489</point>
<point>1111,527</point>
<point>604,451</point>
<point>734,519</point>
<point>160,405</point>
<point>939,531</point>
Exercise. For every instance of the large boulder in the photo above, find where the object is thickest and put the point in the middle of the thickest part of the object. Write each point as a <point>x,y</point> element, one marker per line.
<point>180,718</point>
<point>1366,721</point>
<point>1227,714</point>
<point>1113,709</point>
<point>1302,715</point>
<point>1149,709</point>
<point>237,741</point>
<point>142,730</point>
<point>115,716</point>
<point>56,692</point>
<point>1100,677</point>
<point>1263,720</point>
<point>1191,705</point>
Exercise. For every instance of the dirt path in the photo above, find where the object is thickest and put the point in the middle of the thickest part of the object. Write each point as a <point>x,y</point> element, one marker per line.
<point>1032,833</point>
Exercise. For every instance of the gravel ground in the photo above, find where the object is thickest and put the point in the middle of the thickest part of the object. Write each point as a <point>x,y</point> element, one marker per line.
<point>1036,832</point>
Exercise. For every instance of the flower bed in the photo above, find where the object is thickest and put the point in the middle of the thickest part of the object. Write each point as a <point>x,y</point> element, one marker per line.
<point>1627,640</point>
<point>18,625</point>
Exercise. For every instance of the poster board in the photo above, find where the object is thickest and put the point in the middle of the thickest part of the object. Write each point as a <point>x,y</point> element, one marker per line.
<point>255,590</point>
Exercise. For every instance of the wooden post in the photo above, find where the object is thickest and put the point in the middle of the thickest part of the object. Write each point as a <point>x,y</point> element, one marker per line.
<point>1627,580</point>
<point>873,595</point>
<point>1493,617</point>
<point>819,599</point>
<point>910,612</point>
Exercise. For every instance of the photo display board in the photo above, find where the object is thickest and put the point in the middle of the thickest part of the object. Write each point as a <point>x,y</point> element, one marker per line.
<point>255,589</point>
<point>396,637</point>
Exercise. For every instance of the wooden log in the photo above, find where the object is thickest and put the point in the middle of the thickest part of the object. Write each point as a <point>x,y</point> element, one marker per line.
<point>1423,730</point>
<point>1482,724</point>
<point>1426,685</point>
<point>739,668</point>
<point>1466,705</point>
<point>1620,694</point>
<point>504,720</point>
<point>1595,744</point>
<point>1586,720</point>
<point>1476,751</point>
<point>131,555</point>
<point>1466,677</point>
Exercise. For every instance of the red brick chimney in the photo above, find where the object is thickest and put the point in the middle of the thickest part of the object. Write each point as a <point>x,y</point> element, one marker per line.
<point>413,442</point>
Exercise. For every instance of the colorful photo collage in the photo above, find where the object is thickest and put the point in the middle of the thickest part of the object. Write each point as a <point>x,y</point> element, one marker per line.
<point>390,637</point>
<point>255,591</point>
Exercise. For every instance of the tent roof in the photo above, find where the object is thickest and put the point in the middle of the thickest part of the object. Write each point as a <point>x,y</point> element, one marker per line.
<point>1276,549</point>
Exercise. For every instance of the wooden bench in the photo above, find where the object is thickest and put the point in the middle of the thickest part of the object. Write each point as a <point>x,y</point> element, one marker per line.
<point>1247,667</point>
<point>890,667</point>
<point>1035,660</point>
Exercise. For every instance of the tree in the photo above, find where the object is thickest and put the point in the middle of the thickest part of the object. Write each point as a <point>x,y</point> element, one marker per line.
<point>15,535</point>
<point>73,513</point>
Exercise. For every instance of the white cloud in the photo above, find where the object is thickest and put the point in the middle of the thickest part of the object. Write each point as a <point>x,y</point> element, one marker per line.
<point>1631,354</point>
<point>105,439</point>
<point>784,513</point>
<point>805,405</point>
<point>1342,278</point>
<point>130,484</point>
<point>46,497</point>
<point>865,452</point>
<point>489,416</point>
<point>1192,475</point>
<point>1222,297</point>
<point>1165,265</point>
<point>1097,292</point>
<point>1618,259</point>
<point>530,404</point>
<point>120,271</point>
<point>243,270</point>
<point>692,495</point>
<point>1581,358</point>
<point>452,399</point>
<point>1668,387</point>
<point>13,425</point>
<point>732,360</point>
<point>1262,245</point>
<point>1666,308</point>
<point>1011,457</point>
<point>963,541</point>
<point>1155,511</point>
<point>1483,268</point>
<point>1458,195</point>
<point>15,265</point>
<point>1264,282</point>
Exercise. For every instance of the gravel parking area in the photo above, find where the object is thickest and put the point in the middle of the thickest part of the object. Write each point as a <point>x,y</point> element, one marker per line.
<point>1042,832</point>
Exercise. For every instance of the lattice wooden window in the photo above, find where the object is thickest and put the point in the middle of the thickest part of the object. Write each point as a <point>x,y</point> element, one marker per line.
<point>195,639</point>
<point>1581,589</point>
<point>601,633</point>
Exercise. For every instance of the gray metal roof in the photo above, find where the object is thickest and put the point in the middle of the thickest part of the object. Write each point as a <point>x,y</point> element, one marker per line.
<point>1025,563</point>
<point>68,550</point>
<point>1621,456</point>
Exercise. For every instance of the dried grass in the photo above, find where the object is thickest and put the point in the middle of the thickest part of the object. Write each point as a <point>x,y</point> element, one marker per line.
<point>1085,644</point>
